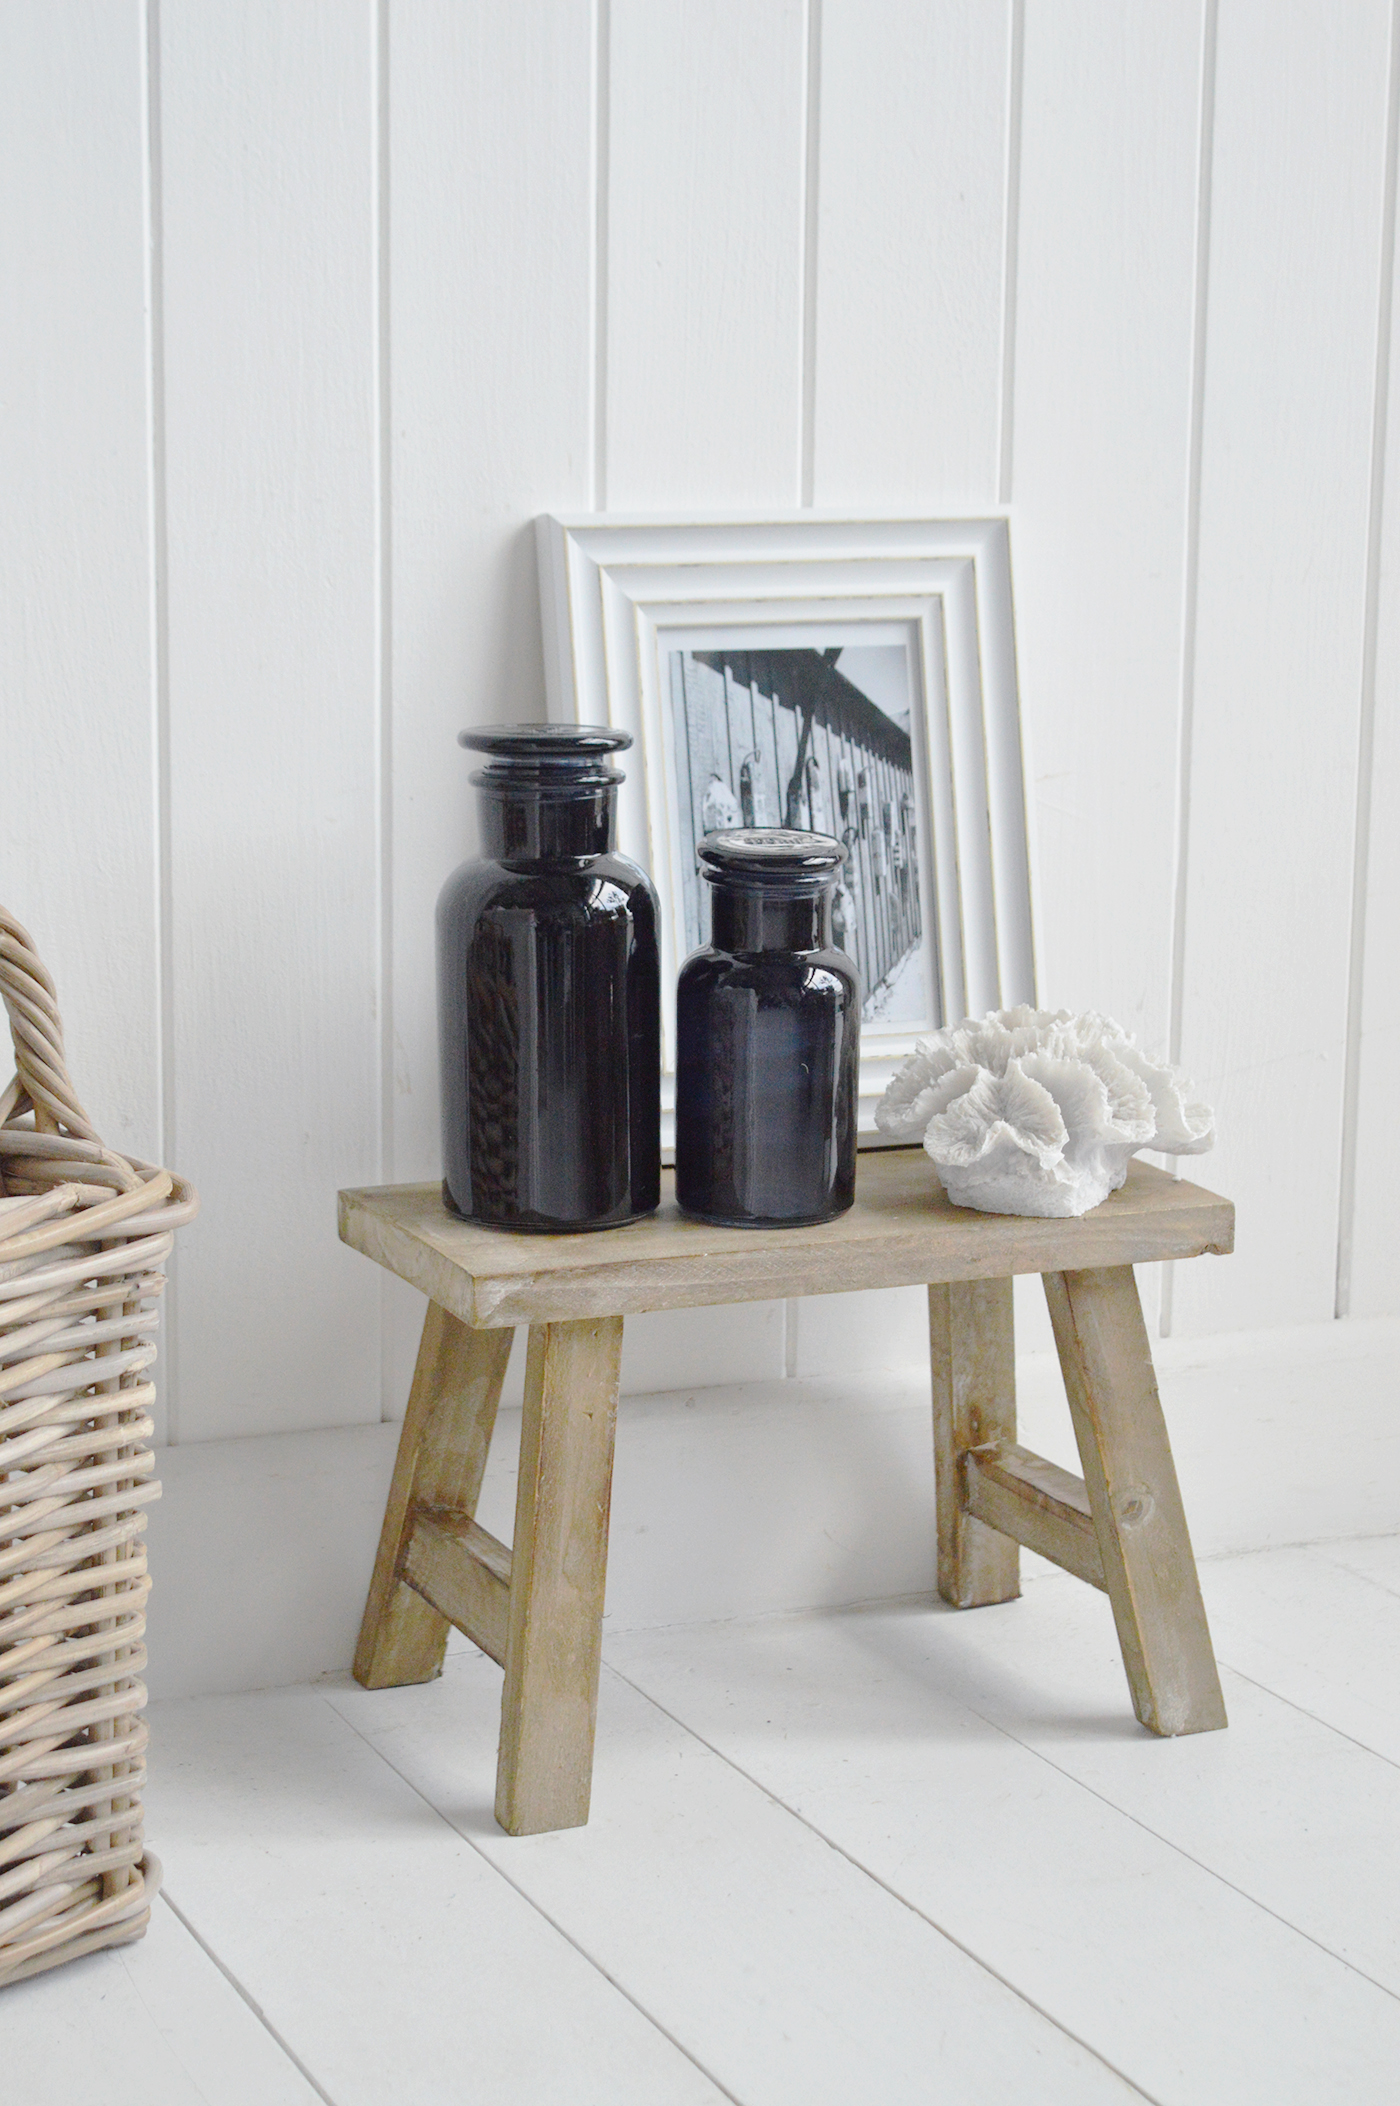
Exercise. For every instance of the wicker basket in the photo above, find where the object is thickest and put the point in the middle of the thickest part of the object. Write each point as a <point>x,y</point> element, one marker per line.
<point>82,1236</point>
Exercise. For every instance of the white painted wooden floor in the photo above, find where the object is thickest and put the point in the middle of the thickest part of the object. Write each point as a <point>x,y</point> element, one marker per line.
<point>888,1854</point>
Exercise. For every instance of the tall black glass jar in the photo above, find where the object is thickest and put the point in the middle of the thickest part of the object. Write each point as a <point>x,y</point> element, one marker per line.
<point>549,1010</point>
<point>768,1038</point>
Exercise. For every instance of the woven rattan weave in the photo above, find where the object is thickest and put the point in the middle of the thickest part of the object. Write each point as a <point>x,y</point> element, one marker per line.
<point>83,1234</point>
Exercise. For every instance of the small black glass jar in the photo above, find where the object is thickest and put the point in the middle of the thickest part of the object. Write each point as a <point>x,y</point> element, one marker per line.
<point>549,996</point>
<point>768,1038</point>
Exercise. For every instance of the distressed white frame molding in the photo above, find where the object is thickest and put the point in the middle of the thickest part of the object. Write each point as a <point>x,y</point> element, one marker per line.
<point>614,592</point>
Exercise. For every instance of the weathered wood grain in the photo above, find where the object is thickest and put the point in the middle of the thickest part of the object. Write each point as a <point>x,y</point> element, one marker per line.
<point>1148,1567</point>
<point>972,1352</point>
<point>441,1457</point>
<point>462,1571</point>
<point>901,1231</point>
<point>558,1571</point>
<point>1041,1506</point>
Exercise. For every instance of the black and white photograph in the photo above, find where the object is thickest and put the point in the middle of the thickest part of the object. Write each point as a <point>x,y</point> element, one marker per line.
<point>819,738</point>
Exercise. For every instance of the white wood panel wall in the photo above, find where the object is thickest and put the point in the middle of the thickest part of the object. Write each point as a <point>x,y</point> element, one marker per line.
<point>1100,464</point>
<point>267,149</point>
<point>488,347</point>
<point>1370,1189</point>
<point>907,264</point>
<point>79,791</point>
<point>308,311</point>
<point>703,257</point>
<point>1296,211</point>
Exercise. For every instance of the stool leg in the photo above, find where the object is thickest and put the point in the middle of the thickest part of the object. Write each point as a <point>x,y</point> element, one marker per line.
<point>558,1568</point>
<point>1136,1502</point>
<point>441,1457</point>
<point>973,1357</point>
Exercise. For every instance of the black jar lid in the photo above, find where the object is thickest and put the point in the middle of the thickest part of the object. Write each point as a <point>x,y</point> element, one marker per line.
<point>576,754</point>
<point>765,856</point>
<point>558,742</point>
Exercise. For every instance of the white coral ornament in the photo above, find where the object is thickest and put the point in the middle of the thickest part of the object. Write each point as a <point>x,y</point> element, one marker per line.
<point>1035,1111</point>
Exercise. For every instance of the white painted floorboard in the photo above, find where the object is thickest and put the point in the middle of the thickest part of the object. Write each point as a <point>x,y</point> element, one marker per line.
<point>894,1854</point>
<point>395,1962</point>
<point>988,1768</point>
<point>1280,1806</point>
<point>1320,1626</point>
<point>779,1964</point>
<point>154,2024</point>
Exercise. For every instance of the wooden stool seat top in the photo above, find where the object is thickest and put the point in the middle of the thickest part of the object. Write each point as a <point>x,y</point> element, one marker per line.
<point>536,1605</point>
<point>902,1231</point>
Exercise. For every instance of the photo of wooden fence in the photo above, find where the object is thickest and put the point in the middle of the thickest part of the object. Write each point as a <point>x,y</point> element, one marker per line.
<point>788,737</point>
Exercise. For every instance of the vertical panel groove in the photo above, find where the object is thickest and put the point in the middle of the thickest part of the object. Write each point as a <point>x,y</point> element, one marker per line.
<point>602,120</point>
<point>1191,567</point>
<point>811,189</point>
<point>384,652</point>
<point>807,431</point>
<point>807,352</point>
<point>1010,250</point>
<point>1366,738</point>
<point>165,1143</point>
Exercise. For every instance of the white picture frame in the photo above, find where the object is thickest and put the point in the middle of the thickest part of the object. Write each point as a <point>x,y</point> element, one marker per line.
<point>620,598</point>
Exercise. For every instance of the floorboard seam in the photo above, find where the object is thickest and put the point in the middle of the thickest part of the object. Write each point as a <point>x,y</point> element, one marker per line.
<point>252,2003</point>
<point>1327,1724</point>
<point>1322,1543</point>
<point>1367,1579</point>
<point>1170,1844</point>
<point>515,1887</point>
<point>903,1900</point>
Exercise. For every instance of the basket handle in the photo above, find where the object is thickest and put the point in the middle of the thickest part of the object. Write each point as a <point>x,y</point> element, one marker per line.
<point>42,1080</point>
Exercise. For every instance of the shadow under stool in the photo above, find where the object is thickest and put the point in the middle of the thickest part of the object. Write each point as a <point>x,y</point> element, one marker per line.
<point>537,1608</point>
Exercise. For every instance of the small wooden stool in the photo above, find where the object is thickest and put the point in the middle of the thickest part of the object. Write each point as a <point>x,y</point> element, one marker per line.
<point>537,1609</point>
